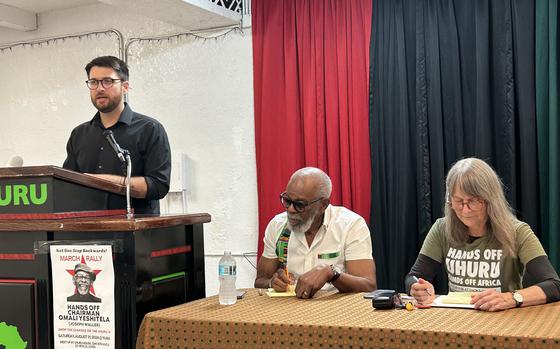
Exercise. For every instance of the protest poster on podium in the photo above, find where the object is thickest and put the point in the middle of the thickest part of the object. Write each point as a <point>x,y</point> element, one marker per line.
<point>83,282</point>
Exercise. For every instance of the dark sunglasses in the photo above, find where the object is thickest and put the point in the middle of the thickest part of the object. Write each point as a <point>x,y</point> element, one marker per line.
<point>299,206</point>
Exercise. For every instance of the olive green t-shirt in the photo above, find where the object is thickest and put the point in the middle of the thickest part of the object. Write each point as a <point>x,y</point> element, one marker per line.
<point>476,266</point>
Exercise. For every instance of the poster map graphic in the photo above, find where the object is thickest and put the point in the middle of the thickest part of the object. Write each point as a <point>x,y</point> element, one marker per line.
<point>10,337</point>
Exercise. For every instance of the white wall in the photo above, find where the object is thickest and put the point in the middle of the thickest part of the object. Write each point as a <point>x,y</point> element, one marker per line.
<point>201,90</point>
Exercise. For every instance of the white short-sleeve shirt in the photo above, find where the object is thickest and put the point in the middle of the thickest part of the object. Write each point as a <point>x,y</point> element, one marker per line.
<point>343,236</point>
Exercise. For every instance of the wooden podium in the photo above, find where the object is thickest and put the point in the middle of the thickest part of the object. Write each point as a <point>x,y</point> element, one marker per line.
<point>158,259</point>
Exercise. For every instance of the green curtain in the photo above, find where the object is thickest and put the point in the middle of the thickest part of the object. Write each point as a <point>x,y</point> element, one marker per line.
<point>548,126</point>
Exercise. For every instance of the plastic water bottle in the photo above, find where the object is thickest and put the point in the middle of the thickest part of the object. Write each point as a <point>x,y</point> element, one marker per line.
<point>227,271</point>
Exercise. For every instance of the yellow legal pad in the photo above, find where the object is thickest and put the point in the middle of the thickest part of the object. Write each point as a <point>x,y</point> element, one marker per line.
<point>291,293</point>
<point>457,298</point>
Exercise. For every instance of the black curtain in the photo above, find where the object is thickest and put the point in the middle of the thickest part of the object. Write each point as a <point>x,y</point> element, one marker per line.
<point>448,80</point>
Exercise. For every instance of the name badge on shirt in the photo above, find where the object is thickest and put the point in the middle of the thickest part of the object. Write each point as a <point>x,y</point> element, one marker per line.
<point>328,255</point>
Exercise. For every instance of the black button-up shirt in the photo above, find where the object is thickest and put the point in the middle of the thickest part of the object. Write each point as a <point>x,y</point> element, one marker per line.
<point>144,137</point>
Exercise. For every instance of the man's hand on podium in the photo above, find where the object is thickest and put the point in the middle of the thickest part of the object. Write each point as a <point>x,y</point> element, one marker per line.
<point>137,184</point>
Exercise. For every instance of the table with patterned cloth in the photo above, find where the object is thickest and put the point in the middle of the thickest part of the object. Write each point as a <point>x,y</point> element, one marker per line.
<point>335,320</point>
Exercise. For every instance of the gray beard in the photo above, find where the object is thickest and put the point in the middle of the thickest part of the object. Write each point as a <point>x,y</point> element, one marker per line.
<point>303,227</point>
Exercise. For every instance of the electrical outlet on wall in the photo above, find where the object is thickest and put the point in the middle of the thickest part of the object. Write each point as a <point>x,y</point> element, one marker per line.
<point>180,165</point>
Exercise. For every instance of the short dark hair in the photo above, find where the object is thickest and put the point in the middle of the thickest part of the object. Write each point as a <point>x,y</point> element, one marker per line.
<point>117,64</point>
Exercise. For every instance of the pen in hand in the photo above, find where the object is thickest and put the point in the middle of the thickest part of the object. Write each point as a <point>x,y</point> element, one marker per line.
<point>416,280</point>
<point>290,286</point>
<point>287,273</point>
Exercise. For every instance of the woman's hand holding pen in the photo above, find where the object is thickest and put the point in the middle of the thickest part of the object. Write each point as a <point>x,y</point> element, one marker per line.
<point>422,291</point>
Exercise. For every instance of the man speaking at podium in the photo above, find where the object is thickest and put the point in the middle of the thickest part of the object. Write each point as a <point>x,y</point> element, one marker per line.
<point>88,149</point>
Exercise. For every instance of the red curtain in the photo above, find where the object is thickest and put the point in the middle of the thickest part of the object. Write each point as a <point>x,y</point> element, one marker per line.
<point>311,70</point>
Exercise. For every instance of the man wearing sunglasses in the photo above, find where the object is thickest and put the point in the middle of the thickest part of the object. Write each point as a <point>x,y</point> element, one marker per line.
<point>315,245</point>
<point>88,150</point>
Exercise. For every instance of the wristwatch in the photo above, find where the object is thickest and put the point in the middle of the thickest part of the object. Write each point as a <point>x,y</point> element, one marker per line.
<point>518,298</point>
<point>336,274</point>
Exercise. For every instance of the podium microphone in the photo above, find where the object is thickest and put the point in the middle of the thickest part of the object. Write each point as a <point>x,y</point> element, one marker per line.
<point>124,156</point>
<point>116,148</point>
<point>15,161</point>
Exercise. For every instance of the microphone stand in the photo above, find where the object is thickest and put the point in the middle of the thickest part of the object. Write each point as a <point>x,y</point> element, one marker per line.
<point>124,156</point>
<point>129,213</point>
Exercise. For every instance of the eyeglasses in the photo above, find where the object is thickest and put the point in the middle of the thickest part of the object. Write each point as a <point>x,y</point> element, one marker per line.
<point>474,204</point>
<point>299,206</point>
<point>93,84</point>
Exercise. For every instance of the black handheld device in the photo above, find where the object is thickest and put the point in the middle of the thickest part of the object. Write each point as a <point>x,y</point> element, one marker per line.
<point>382,299</point>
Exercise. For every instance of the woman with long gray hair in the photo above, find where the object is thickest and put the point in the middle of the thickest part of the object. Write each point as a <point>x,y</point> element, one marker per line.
<point>482,247</point>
